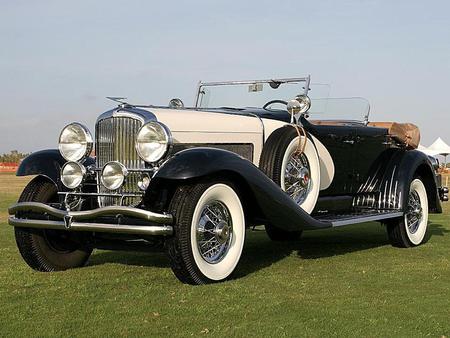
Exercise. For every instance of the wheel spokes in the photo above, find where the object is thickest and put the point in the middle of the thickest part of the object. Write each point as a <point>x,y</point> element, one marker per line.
<point>214,232</point>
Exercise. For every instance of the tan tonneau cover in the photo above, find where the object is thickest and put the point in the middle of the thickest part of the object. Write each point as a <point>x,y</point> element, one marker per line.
<point>405,133</point>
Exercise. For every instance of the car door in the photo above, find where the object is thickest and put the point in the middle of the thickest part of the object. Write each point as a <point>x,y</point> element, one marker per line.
<point>369,144</point>
<point>340,141</point>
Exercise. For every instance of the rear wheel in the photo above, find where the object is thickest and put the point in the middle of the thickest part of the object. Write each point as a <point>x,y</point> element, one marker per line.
<point>209,232</point>
<point>48,250</point>
<point>410,229</point>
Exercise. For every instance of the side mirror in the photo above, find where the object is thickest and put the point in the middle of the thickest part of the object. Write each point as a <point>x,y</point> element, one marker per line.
<point>176,104</point>
<point>299,105</point>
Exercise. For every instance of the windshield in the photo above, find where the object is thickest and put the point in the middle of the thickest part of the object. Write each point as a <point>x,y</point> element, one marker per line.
<point>343,109</point>
<point>255,94</point>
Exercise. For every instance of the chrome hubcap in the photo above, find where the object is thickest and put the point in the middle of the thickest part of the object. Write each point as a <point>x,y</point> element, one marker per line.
<point>214,232</point>
<point>297,179</point>
<point>413,212</point>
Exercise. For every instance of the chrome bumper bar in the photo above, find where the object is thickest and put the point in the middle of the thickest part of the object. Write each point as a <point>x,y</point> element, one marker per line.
<point>69,219</point>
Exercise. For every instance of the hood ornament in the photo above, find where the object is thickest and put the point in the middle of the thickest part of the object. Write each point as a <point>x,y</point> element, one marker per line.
<point>119,100</point>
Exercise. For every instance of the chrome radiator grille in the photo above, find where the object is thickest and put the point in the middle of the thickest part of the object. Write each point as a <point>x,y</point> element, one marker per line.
<point>115,141</point>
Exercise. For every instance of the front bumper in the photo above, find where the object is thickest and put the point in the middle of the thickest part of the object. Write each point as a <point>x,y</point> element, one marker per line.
<point>52,218</point>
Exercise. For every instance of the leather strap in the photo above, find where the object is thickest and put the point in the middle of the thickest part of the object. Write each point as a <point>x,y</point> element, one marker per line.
<point>301,145</point>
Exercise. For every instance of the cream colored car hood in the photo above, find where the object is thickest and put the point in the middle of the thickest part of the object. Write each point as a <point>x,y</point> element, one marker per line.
<point>206,122</point>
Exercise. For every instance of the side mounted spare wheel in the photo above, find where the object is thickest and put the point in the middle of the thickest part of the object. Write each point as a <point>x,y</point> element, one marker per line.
<point>297,173</point>
<point>209,232</point>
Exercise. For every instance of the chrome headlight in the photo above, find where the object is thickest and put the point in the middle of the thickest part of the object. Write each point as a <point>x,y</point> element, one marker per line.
<point>153,141</point>
<point>75,142</point>
<point>113,175</point>
<point>72,174</point>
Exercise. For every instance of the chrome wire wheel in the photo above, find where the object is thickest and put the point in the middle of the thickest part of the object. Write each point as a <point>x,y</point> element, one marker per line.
<point>415,219</point>
<point>297,178</point>
<point>214,232</point>
<point>413,215</point>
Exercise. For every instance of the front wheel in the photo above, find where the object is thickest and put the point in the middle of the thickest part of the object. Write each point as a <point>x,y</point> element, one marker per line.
<point>410,229</point>
<point>209,232</point>
<point>48,250</point>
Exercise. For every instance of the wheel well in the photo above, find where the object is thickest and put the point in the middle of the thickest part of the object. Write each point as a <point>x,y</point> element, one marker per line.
<point>252,211</point>
<point>427,176</point>
<point>43,178</point>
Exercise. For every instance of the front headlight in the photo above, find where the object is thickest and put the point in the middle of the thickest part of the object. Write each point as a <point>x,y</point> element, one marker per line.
<point>113,175</point>
<point>153,141</point>
<point>75,142</point>
<point>72,174</point>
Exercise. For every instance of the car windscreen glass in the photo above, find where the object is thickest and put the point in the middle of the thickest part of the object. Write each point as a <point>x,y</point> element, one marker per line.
<point>343,109</point>
<point>240,95</point>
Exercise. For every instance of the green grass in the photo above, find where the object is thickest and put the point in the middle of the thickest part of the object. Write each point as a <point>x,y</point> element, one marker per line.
<point>342,282</point>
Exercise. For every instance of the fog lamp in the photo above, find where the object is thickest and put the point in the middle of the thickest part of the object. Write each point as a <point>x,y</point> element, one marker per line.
<point>113,175</point>
<point>72,174</point>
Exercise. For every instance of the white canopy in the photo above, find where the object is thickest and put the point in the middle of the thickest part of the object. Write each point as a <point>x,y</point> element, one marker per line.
<point>439,147</point>
<point>427,151</point>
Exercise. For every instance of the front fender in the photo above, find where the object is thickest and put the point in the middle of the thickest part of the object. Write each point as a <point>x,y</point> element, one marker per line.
<point>46,163</point>
<point>277,207</point>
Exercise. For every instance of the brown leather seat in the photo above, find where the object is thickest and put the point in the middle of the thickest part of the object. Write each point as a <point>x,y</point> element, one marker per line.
<point>404,133</point>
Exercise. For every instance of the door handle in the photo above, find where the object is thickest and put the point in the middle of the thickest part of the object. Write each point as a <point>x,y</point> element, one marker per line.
<point>349,141</point>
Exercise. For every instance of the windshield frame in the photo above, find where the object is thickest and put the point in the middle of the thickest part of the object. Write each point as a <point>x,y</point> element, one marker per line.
<point>306,80</point>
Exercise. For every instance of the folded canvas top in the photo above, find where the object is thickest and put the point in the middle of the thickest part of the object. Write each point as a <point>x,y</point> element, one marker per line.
<point>405,133</point>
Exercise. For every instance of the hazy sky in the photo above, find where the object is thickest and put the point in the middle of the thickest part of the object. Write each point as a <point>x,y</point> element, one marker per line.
<point>59,59</point>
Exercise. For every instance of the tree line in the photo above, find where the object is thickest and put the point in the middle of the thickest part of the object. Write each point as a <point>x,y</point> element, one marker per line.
<point>12,157</point>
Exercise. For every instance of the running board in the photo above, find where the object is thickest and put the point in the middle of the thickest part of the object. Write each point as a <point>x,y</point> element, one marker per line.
<point>341,220</point>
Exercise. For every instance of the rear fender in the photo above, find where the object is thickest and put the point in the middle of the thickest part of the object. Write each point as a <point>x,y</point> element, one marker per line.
<point>388,185</point>
<point>416,164</point>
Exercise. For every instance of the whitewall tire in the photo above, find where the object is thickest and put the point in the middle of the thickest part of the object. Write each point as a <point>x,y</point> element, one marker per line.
<point>209,232</point>
<point>297,175</point>
<point>307,160</point>
<point>410,230</point>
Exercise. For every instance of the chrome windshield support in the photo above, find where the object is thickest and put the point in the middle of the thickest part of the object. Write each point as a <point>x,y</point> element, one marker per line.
<point>306,79</point>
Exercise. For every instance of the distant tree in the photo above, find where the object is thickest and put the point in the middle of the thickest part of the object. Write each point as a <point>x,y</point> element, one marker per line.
<point>13,157</point>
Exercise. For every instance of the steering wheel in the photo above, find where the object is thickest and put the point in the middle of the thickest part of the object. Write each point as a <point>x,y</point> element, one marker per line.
<point>272,102</point>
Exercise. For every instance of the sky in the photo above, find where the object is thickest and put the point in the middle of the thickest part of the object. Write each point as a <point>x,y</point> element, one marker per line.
<point>60,59</point>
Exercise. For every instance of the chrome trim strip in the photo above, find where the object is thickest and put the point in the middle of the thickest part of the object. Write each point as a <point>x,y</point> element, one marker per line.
<point>154,230</point>
<point>370,218</point>
<point>92,214</point>
<point>116,195</point>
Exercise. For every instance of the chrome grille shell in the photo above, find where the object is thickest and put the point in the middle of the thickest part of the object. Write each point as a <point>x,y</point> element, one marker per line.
<point>115,134</point>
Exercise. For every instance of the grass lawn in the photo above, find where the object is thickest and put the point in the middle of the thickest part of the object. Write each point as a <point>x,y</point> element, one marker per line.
<point>340,282</point>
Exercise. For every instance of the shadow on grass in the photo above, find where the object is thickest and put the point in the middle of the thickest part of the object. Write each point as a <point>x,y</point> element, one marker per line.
<point>435,229</point>
<point>313,245</point>
<point>151,259</point>
<point>260,252</point>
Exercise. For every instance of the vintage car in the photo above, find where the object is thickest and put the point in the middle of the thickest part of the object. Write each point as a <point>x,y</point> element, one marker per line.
<point>192,180</point>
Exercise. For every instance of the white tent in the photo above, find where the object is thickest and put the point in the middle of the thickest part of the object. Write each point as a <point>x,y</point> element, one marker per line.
<point>427,151</point>
<point>441,148</point>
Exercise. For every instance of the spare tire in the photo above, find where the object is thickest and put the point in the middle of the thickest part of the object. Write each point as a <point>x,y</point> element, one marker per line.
<point>297,174</point>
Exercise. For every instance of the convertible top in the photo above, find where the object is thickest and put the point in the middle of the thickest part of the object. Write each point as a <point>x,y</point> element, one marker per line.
<point>404,133</point>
